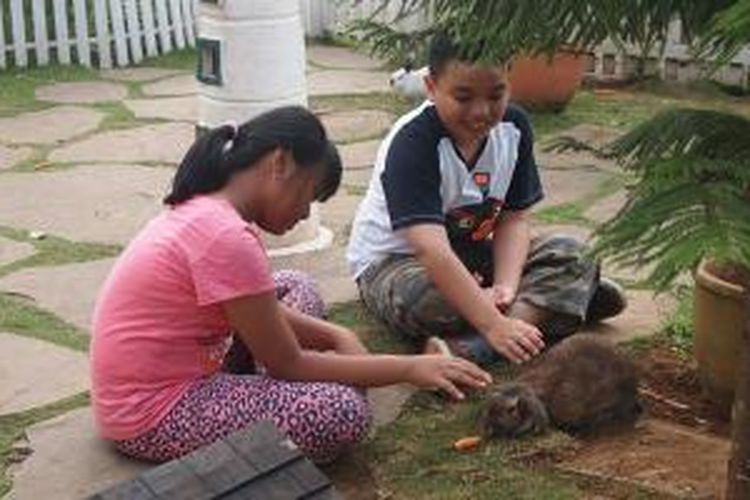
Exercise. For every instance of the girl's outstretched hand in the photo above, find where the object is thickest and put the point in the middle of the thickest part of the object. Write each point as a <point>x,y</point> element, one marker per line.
<point>436,371</point>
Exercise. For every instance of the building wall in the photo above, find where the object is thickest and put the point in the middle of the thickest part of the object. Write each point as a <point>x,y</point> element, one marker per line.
<point>607,63</point>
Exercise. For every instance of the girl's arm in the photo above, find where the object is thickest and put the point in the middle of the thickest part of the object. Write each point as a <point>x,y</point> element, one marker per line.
<point>266,331</point>
<point>316,334</point>
<point>515,339</point>
<point>510,250</point>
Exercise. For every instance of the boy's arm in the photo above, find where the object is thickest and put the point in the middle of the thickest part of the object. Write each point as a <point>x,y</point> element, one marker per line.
<point>514,339</point>
<point>510,250</point>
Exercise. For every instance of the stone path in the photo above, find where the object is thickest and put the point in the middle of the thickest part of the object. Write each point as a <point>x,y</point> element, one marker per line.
<point>112,183</point>
<point>82,92</point>
<point>118,200</point>
<point>49,126</point>
<point>9,157</point>
<point>35,373</point>
<point>11,251</point>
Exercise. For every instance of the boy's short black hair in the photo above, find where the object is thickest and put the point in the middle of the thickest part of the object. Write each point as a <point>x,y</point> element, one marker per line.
<point>444,49</point>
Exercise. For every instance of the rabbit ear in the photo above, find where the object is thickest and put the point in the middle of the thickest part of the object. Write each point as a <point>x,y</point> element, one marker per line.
<point>408,66</point>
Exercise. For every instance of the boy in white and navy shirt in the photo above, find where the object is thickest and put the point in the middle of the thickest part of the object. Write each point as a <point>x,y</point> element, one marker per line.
<point>440,245</point>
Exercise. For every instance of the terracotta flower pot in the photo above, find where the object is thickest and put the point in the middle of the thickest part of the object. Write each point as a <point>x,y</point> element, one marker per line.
<point>542,83</point>
<point>719,320</point>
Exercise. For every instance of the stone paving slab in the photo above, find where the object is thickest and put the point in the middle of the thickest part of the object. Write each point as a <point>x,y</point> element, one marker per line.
<point>35,373</point>
<point>579,232</point>
<point>50,473</point>
<point>141,74</point>
<point>337,214</point>
<point>333,82</point>
<point>81,92</point>
<point>340,58</point>
<point>593,135</point>
<point>161,143</point>
<point>644,316</point>
<point>673,460</point>
<point>572,160</point>
<point>352,126</point>
<point>388,402</point>
<point>165,108</point>
<point>567,186</point>
<point>11,250</point>
<point>69,462</point>
<point>606,208</point>
<point>183,84</point>
<point>67,291</point>
<point>359,178</point>
<point>329,270</point>
<point>360,155</point>
<point>52,125</point>
<point>9,157</point>
<point>118,201</point>
<point>329,267</point>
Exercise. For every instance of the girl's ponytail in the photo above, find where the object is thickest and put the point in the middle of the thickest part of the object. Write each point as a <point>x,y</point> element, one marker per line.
<point>226,150</point>
<point>202,169</point>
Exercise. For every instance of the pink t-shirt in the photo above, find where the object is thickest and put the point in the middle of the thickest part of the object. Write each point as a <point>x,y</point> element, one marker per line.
<point>159,323</point>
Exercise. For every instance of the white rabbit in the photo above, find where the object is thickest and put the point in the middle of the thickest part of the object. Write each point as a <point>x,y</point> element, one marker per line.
<point>410,82</point>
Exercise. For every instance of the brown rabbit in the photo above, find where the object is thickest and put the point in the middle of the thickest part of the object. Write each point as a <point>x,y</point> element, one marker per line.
<point>580,385</point>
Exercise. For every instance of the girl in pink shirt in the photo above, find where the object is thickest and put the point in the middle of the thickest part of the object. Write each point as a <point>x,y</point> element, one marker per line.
<point>162,381</point>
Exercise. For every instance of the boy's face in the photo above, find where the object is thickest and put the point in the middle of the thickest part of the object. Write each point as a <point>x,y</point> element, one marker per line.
<point>470,98</point>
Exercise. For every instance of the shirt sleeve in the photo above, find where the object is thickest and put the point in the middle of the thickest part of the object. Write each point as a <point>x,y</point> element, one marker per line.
<point>525,187</point>
<point>411,180</point>
<point>234,265</point>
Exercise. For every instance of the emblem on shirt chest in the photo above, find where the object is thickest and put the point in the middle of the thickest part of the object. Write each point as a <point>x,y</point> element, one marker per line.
<point>482,181</point>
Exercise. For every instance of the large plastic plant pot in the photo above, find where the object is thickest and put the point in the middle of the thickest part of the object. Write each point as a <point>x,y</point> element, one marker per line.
<point>541,82</point>
<point>719,323</point>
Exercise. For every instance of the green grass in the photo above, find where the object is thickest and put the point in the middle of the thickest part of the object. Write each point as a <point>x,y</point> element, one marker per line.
<point>54,251</point>
<point>118,116</point>
<point>574,212</point>
<point>354,190</point>
<point>679,328</point>
<point>12,428</point>
<point>17,86</point>
<point>374,335</point>
<point>20,316</point>
<point>186,59</point>
<point>385,101</point>
<point>629,107</point>
<point>568,213</point>
<point>414,458</point>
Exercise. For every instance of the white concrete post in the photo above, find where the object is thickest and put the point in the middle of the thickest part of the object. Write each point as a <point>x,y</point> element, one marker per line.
<point>252,59</point>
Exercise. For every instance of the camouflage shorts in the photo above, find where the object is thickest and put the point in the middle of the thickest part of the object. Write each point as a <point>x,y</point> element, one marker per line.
<point>556,277</point>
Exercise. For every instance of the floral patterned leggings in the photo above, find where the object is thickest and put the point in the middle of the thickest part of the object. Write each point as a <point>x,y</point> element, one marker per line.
<point>322,418</point>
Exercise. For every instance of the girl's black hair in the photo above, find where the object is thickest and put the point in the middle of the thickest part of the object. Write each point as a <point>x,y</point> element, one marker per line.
<point>220,152</point>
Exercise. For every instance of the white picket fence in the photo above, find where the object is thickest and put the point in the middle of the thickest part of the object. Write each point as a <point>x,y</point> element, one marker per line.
<point>102,33</point>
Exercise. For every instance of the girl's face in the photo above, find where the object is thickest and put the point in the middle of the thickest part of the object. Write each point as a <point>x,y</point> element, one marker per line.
<point>287,194</point>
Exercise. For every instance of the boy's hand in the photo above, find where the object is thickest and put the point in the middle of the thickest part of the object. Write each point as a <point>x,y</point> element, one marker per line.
<point>436,371</point>
<point>502,296</point>
<point>516,340</point>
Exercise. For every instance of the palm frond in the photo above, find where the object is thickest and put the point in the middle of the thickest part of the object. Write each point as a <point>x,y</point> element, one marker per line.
<point>686,132</point>
<point>727,33</point>
<point>500,29</point>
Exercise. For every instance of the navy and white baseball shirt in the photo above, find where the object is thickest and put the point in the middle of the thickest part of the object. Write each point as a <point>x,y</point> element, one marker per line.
<point>420,178</point>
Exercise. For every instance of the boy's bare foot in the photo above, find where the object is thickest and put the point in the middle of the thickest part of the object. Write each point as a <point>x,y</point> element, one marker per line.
<point>436,345</point>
